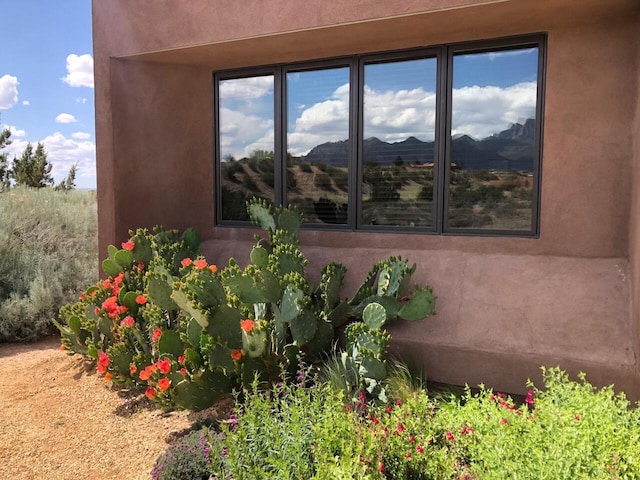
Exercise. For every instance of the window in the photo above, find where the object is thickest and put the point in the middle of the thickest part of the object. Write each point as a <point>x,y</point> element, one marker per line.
<point>437,140</point>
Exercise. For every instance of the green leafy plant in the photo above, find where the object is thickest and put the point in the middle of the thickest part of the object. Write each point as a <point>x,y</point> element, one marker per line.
<point>567,429</point>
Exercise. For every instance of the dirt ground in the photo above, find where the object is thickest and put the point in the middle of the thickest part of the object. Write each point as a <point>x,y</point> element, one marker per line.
<point>59,420</point>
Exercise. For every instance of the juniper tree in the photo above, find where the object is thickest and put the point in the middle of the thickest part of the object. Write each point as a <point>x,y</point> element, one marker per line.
<point>32,169</point>
<point>5,171</point>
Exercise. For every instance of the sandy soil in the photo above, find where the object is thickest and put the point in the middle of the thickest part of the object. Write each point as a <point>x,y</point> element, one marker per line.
<point>59,420</point>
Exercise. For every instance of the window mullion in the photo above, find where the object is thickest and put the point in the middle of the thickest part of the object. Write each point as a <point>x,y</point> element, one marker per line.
<point>355,132</point>
<point>445,84</point>
<point>280,136</point>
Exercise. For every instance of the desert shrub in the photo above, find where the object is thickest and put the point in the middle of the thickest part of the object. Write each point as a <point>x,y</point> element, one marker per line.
<point>187,459</point>
<point>48,254</point>
<point>569,429</point>
<point>565,430</point>
<point>323,181</point>
<point>313,435</point>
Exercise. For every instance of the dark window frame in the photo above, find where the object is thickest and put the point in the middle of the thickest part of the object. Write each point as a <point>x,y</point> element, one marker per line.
<point>442,143</point>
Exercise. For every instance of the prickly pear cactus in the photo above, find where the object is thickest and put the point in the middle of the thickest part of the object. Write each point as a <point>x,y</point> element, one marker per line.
<point>367,345</point>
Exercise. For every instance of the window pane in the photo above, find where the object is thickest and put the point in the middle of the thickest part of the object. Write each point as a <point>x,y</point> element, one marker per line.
<point>493,124</point>
<point>318,148</point>
<point>246,119</point>
<point>398,143</point>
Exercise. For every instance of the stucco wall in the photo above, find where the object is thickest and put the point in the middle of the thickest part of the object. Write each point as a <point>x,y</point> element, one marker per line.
<point>506,305</point>
<point>634,237</point>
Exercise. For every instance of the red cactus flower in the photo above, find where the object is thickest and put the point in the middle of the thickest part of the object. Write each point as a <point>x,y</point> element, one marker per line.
<point>127,321</point>
<point>247,325</point>
<point>186,262</point>
<point>156,335</point>
<point>141,299</point>
<point>128,245</point>
<point>200,263</point>
<point>181,359</point>
<point>132,369</point>
<point>146,373</point>
<point>150,393</point>
<point>237,354</point>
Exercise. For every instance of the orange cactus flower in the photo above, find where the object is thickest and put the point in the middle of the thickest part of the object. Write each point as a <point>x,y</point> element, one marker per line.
<point>164,383</point>
<point>82,296</point>
<point>150,393</point>
<point>132,369</point>
<point>247,325</point>
<point>145,374</point>
<point>108,377</point>
<point>164,365</point>
<point>128,245</point>
<point>200,263</point>
<point>237,355</point>
<point>186,262</point>
<point>141,299</point>
<point>213,268</point>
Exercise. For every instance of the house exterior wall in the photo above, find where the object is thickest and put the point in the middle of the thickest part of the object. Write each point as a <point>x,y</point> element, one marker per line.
<point>505,305</point>
<point>634,237</point>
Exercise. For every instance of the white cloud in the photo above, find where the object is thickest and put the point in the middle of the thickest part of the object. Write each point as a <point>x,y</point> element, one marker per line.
<point>15,132</point>
<point>238,127</point>
<point>79,70</point>
<point>81,135</point>
<point>64,152</point>
<point>8,91</point>
<point>81,100</point>
<point>26,102</point>
<point>65,118</point>
<point>246,88</point>
<point>482,111</point>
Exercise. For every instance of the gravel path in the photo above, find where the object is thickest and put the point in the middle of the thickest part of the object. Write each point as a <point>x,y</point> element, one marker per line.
<point>59,420</point>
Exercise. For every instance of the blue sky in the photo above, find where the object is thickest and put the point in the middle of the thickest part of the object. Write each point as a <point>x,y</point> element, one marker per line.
<point>46,82</point>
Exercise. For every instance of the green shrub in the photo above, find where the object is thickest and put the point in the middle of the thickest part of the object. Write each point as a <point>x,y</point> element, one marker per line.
<point>295,432</point>
<point>566,430</point>
<point>48,254</point>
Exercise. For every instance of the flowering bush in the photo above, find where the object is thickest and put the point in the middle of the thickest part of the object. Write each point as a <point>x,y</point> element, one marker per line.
<point>187,459</point>
<point>567,430</point>
<point>168,321</point>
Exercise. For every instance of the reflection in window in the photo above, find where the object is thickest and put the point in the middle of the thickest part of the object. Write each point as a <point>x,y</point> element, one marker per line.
<point>443,139</point>
<point>492,143</point>
<point>398,143</point>
<point>318,153</point>
<point>246,113</point>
